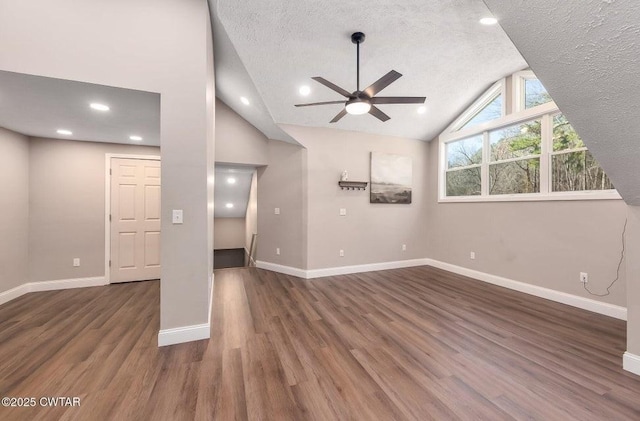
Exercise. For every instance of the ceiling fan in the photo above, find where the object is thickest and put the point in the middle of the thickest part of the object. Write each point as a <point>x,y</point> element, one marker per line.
<point>365,101</point>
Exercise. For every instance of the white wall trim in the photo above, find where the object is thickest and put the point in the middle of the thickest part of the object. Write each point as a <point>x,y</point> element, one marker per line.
<point>178,335</point>
<point>107,202</point>
<point>631,362</point>
<point>16,292</point>
<point>340,270</point>
<point>67,284</point>
<point>287,270</point>
<point>13,293</point>
<point>584,303</point>
<point>370,267</point>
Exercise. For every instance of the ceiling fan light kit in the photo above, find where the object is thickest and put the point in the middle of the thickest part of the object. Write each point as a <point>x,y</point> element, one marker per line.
<point>363,102</point>
<point>357,106</point>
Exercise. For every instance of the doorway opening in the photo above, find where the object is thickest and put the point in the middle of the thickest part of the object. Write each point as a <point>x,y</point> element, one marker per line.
<point>235,215</point>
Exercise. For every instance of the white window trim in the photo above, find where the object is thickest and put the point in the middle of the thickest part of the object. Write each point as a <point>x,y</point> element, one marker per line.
<point>485,99</point>
<point>544,112</point>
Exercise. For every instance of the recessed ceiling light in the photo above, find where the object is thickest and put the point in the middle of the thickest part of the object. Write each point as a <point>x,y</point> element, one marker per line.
<point>244,100</point>
<point>422,109</point>
<point>229,205</point>
<point>231,180</point>
<point>489,21</point>
<point>304,90</point>
<point>135,137</point>
<point>64,132</point>
<point>99,107</point>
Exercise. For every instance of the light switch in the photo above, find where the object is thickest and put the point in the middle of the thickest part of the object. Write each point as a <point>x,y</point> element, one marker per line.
<point>76,262</point>
<point>177,216</point>
<point>276,211</point>
<point>343,212</point>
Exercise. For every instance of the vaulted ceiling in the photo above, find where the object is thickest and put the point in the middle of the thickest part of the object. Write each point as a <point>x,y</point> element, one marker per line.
<point>587,55</point>
<point>264,51</point>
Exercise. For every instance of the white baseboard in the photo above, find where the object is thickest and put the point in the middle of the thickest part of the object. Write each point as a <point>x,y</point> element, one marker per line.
<point>96,281</point>
<point>178,335</point>
<point>16,292</point>
<point>584,303</point>
<point>340,270</point>
<point>13,293</point>
<point>631,363</point>
<point>345,270</point>
<point>287,270</point>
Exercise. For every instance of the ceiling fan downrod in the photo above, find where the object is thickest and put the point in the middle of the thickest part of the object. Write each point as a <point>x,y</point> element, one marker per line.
<point>357,38</point>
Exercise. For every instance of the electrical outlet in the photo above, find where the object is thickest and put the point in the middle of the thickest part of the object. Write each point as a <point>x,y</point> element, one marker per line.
<point>76,262</point>
<point>472,255</point>
<point>584,277</point>
<point>404,247</point>
<point>343,212</point>
<point>276,211</point>
<point>278,251</point>
<point>341,253</point>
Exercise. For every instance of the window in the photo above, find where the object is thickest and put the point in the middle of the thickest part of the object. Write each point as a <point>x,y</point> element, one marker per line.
<point>573,168</point>
<point>534,93</point>
<point>463,166</point>
<point>490,112</point>
<point>489,107</point>
<point>532,153</point>
<point>515,159</point>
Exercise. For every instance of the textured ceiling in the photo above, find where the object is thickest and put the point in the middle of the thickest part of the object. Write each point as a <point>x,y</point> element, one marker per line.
<point>38,106</point>
<point>236,193</point>
<point>587,55</point>
<point>439,47</point>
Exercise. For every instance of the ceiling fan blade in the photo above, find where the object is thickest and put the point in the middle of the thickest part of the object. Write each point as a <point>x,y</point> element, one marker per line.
<point>332,86</point>
<point>339,116</point>
<point>398,100</point>
<point>320,103</point>
<point>382,83</point>
<point>377,113</point>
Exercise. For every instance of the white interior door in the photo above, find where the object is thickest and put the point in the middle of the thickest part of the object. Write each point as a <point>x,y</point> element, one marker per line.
<point>135,220</point>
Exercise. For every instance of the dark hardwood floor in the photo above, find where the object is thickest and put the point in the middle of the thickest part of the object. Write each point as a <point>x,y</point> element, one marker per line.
<point>416,343</point>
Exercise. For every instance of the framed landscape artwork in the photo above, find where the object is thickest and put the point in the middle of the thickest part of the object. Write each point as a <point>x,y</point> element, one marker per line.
<point>391,178</point>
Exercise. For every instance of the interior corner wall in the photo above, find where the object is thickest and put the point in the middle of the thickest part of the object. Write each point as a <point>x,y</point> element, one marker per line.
<point>251,217</point>
<point>281,185</point>
<point>542,243</point>
<point>14,202</point>
<point>633,280</point>
<point>150,45</point>
<point>237,141</point>
<point>67,206</point>
<point>370,232</point>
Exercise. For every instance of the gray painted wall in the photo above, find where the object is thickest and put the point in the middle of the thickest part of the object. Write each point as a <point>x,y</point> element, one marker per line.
<point>369,233</point>
<point>282,184</point>
<point>237,141</point>
<point>545,243</point>
<point>251,217</point>
<point>67,197</point>
<point>14,202</point>
<point>228,233</point>
<point>161,46</point>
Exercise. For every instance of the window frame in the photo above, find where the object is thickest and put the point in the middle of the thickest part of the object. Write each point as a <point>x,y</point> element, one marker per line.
<point>545,113</point>
<point>479,104</point>
<point>519,96</point>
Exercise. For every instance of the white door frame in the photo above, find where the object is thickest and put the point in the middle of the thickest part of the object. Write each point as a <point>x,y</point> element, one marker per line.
<point>107,203</point>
